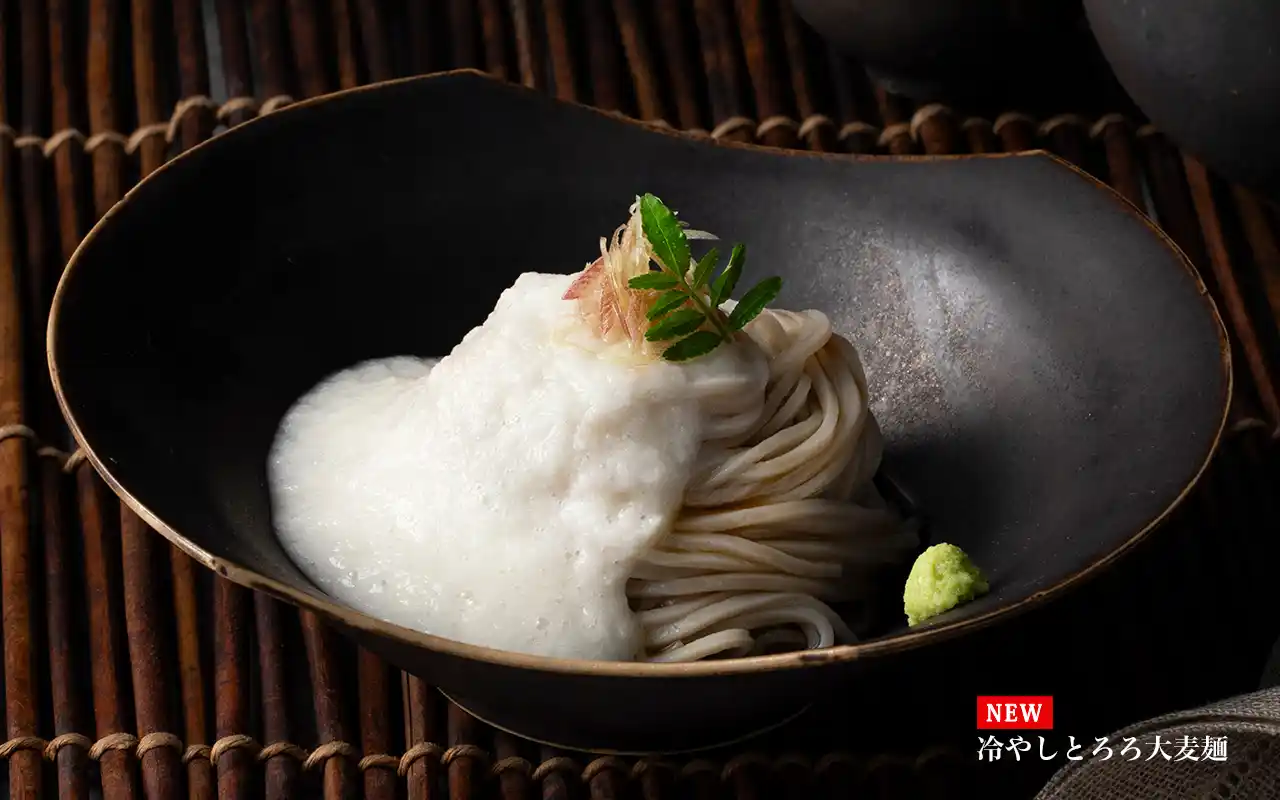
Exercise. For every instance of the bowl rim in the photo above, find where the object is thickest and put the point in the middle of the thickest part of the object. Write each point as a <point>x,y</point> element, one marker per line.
<point>359,621</point>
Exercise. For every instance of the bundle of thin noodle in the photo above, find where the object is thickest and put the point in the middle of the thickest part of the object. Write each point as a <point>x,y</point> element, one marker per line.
<point>781,517</point>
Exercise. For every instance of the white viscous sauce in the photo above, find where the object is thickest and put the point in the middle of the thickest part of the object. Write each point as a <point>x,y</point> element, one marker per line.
<point>502,497</point>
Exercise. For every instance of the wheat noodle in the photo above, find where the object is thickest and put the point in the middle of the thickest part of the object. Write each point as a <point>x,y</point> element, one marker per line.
<point>780,508</point>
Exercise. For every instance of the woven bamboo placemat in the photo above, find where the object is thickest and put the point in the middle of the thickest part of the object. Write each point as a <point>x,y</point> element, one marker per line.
<point>131,672</point>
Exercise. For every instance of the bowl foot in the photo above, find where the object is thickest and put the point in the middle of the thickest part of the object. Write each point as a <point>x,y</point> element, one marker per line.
<point>915,88</point>
<point>687,741</point>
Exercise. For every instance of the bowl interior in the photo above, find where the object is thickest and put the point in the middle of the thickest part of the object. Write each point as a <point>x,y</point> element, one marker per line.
<point>1047,372</point>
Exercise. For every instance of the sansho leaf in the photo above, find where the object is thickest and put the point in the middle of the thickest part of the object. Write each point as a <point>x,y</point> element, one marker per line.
<point>665,235</point>
<point>695,344</point>
<point>675,325</point>
<point>667,302</point>
<point>702,270</point>
<point>723,287</point>
<point>754,301</point>
<point>653,280</point>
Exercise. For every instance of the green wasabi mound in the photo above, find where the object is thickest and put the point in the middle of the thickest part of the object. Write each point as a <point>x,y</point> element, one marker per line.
<point>942,578</point>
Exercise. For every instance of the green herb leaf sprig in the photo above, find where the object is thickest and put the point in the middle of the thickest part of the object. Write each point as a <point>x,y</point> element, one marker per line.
<point>688,310</point>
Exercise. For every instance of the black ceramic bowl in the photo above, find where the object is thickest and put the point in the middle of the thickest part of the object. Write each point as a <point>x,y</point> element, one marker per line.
<point>969,51</point>
<point>1206,74</point>
<point>1049,373</point>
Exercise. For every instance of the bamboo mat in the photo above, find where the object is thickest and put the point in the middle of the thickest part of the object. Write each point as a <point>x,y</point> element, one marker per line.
<point>129,672</point>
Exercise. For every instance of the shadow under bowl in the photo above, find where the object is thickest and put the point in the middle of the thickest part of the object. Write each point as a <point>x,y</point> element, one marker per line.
<point>1049,374</point>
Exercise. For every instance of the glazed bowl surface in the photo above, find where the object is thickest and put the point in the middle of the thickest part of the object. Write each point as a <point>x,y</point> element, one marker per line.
<point>1047,369</point>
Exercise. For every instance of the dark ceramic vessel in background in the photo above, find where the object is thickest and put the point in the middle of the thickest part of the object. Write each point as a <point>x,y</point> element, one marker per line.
<point>1048,371</point>
<point>963,51</point>
<point>1206,74</point>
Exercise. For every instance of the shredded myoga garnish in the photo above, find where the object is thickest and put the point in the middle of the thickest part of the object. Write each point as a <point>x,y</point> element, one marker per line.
<point>625,463</point>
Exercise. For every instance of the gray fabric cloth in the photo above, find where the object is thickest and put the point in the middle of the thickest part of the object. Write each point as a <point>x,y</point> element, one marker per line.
<point>1250,769</point>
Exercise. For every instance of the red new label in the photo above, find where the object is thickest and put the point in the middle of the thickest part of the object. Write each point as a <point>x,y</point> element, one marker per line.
<point>1015,712</point>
